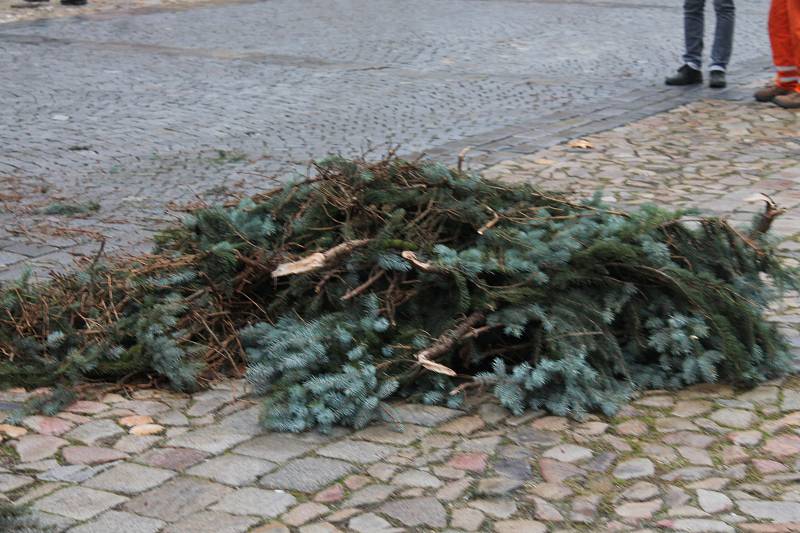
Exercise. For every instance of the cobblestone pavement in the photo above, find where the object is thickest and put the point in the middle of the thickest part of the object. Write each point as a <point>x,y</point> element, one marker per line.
<point>20,10</point>
<point>136,115</point>
<point>704,459</point>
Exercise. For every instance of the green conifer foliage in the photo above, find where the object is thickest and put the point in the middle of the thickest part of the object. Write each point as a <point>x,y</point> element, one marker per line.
<point>20,520</point>
<point>373,281</point>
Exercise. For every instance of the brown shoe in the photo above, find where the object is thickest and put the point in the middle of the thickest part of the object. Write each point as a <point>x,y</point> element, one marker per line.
<point>768,93</point>
<point>789,101</point>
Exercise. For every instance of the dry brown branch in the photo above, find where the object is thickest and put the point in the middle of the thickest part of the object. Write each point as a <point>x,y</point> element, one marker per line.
<point>317,260</point>
<point>463,387</point>
<point>363,287</point>
<point>411,257</point>
<point>447,342</point>
<point>495,219</point>
<point>461,156</point>
<point>771,212</point>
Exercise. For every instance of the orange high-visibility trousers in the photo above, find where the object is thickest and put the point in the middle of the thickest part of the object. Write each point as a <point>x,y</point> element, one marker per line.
<point>784,35</point>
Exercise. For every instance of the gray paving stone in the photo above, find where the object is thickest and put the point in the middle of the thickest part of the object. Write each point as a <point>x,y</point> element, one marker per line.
<point>369,495</point>
<point>317,527</point>
<point>497,508</point>
<point>245,422</point>
<point>357,451</point>
<point>135,443</point>
<point>568,453</point>
<point>535,437</point>
<point>304,513</point>
<point>78,503</point>
<point>232,469</point>
<point>172,418</point>
<point>208,402</point>
<point>307,475</point>
<point>275,447</point>
<point>71,473</point>
<point>392,434</point>
<point>417,512</point>
<point>90,455</point>
<point>93,431</point>
<point>519,526</point>
<point>423,415</point>
<point>514,468</point>
<point>119,522</point>
<point>634,468</point>
<point>143,407</point>
<point>37,447</point>
<point>129,478</point>
<point>212,439</point>
<point>212,522</point>
<point>497,486</point>
<point>417,478</point>
<point>701,525</point>
<point>467,519</point>
<point>9,482</point>
<point>10,258</point>
<point>172,458</point>
<point>256,502</point>
<point>177,499</point>
<point>735,418</point>
<point>791,400</point>
<point>713,502</point>
<point>781,512</point>
<point>37,466</point>
<point>371,523</point>
<point>37,491</point>
<point>30,250</point>
<point>54,523</point>
<point>689,473</point>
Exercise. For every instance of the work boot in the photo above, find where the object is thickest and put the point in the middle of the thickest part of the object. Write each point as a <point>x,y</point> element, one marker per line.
<point>788,101</point>
<point>717,79</point>
<point>768,93</point>
<point>686,76</point>
<point>73,2</point>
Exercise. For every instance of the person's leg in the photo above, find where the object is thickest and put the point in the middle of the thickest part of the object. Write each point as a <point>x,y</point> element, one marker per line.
<point>780,37</point>
<point>693,27</point>
<point>794,29</point>
<point>689,73</point>
<point>790,79</point>
<point>723,34</point>
<point>783,46</point>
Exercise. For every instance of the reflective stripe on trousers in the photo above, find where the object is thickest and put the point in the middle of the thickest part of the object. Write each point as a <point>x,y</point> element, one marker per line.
<point>784,35</point>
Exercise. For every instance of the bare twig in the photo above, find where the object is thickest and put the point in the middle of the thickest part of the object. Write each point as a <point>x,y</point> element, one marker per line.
<point>447,342</point>
<point>363,287</point>
<point>771,212</point>
<point>461,156</point>
<point>411,257</point>
<point>495,219</point>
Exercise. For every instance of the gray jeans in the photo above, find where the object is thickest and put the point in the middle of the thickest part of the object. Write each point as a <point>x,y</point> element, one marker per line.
<point>723,34</point>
